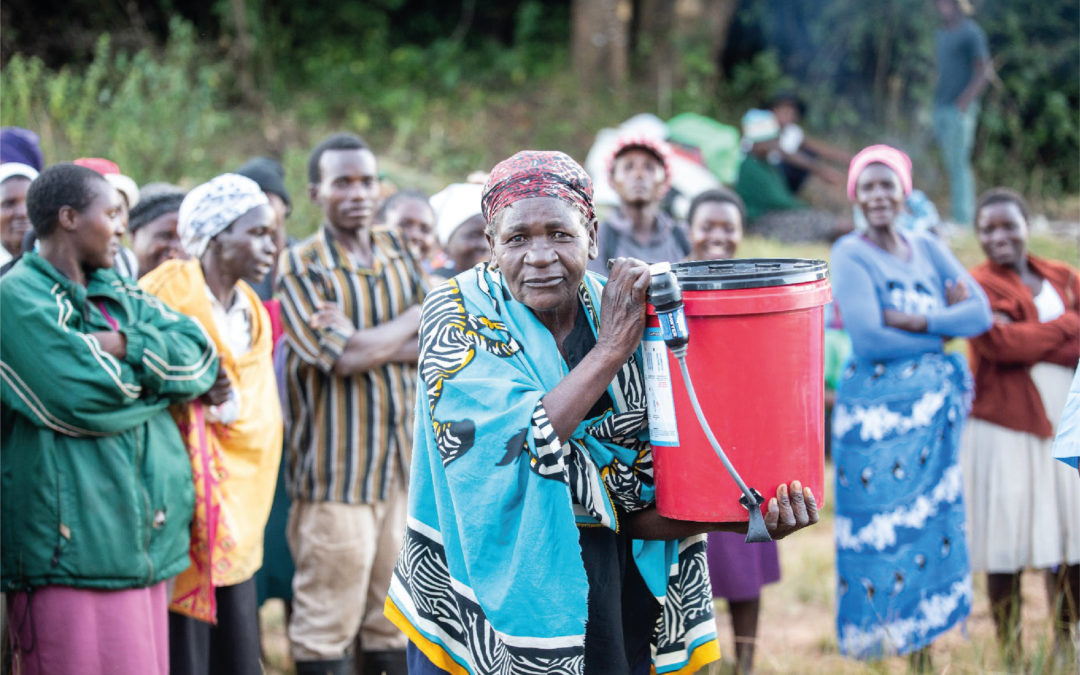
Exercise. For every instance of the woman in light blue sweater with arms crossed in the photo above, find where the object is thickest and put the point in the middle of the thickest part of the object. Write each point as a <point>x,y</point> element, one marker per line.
<point>903,575</point>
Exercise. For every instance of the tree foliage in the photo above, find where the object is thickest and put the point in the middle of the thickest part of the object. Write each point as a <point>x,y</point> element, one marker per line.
<point>428,77</point>
<point>154,114</point>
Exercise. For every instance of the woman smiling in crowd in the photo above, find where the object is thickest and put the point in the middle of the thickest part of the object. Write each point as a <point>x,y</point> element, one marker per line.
<point>97,496</point>
<point>1023,506</point>
<point>737,570</point>
<point>901,555</point>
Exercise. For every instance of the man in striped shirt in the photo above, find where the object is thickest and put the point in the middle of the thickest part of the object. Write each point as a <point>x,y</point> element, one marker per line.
<point>350,299</point>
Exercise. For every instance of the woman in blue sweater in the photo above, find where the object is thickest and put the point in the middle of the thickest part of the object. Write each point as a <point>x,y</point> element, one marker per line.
<point>901,555</point>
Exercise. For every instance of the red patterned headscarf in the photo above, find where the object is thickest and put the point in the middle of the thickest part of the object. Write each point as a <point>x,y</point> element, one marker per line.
<point>537,173</point>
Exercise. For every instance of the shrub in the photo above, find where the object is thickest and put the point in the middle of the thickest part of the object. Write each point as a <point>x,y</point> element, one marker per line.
<point>156,115</point>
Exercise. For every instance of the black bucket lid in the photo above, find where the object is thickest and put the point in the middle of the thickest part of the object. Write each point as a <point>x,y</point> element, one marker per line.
<point>726,275</point>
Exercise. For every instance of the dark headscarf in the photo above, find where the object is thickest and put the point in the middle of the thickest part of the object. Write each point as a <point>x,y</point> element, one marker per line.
<point>21,145</point>
<point>152,207</point>
<point>537,173</point>
<point>269,174</point>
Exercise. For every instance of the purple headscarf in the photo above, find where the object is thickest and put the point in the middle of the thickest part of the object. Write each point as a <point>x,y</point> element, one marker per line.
<point>21,145</point>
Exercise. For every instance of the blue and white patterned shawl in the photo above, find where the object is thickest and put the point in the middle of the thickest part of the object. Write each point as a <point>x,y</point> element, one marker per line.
<point>901,554</point>
<point>490,577</point>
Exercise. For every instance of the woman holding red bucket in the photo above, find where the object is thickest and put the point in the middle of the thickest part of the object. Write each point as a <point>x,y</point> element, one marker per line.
<point>737,569</point>
<point>902,566</point>
<point>1023,505</point>
<point>533,542</point>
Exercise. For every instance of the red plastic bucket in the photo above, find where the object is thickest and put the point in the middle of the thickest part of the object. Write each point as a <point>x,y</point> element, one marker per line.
<point>756,357</point>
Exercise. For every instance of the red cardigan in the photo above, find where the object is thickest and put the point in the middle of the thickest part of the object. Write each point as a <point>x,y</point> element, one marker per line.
<point>1001,357</point>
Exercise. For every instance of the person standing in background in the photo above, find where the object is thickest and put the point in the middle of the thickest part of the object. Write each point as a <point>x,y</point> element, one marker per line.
<point>460,227</point>
<point>21,145</point>
<point>639,171</point>
<point>129,196</point>
<point>410,213</point>
<point>350,299</point>
<point>234,437</point>
<point>902,562</point>
<point>15,179</point>
<point>737,570</point>
<point>270,177</point>
<point>963,66</point>
<point>1023,507</point>
<point>152,227</point>
<point>21,150</point>
<point>96,489</point>
<point>274,578</point>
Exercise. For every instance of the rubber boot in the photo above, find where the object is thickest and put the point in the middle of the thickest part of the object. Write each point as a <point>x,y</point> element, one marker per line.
<point>325,667</point>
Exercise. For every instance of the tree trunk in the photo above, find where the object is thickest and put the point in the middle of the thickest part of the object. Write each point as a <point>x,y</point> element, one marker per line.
<point>655,56</point>
<point>719,16</point>
<point>599,42</point>
<point>242,50</point>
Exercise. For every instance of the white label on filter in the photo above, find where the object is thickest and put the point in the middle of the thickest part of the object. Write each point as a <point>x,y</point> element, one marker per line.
<point>662,425</point>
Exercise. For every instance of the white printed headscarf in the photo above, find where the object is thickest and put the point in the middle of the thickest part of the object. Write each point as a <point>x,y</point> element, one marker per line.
<point>453,205</point>
<point>213,206</point>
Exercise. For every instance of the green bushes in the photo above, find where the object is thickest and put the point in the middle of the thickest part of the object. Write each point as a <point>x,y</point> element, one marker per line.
<point>1030,126</point>
<point>441,110</point>
<point>153,114</point>
<point>441,100</point>
<point>428,104</point>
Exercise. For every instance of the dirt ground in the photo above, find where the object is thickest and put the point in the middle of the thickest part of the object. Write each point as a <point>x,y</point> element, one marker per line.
<point>797,632</point>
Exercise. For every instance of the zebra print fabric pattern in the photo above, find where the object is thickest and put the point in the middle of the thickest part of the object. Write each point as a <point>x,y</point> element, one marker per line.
<point>490,577</point>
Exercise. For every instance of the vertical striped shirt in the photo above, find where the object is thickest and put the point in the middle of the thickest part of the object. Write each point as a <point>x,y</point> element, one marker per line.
<point>346,436</point>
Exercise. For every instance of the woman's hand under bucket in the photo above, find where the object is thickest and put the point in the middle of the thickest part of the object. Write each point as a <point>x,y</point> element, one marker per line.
<point>790,510</point>
<point>793,508</point>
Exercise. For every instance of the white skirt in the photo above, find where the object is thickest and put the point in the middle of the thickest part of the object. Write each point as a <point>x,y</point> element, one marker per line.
<point>1023,506</point>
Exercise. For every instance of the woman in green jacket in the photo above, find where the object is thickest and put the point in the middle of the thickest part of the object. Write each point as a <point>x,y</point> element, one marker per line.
<point>96,490</point>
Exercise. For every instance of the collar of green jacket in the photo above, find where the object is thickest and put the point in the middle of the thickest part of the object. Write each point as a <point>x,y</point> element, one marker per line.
<point>102,282</point>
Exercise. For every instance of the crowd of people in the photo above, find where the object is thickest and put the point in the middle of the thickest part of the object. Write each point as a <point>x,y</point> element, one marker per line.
<point>512,527</point>
<point>425,426</point>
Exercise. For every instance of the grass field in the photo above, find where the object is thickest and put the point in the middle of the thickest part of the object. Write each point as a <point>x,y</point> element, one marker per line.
<point>797,632</point>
